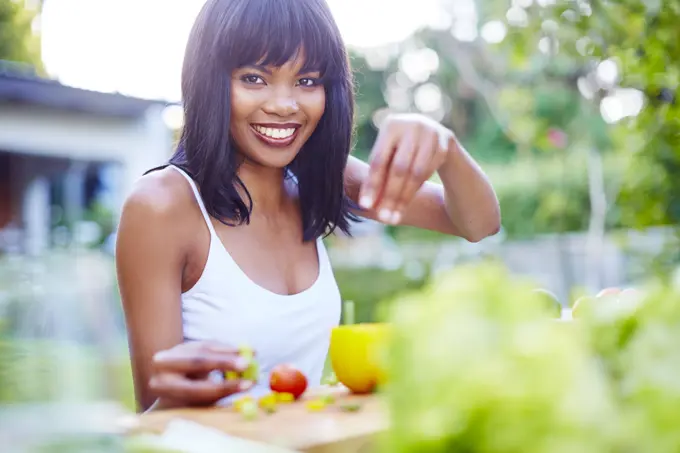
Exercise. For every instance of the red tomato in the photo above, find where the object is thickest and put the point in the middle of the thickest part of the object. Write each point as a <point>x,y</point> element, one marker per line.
<point>287,379</point>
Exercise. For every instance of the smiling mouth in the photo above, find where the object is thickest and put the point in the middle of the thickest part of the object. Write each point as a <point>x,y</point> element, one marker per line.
<point>276,135</point>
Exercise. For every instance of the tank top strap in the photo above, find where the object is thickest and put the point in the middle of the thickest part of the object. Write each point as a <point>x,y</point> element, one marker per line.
<point>199,199</point>
<point>324,259</point>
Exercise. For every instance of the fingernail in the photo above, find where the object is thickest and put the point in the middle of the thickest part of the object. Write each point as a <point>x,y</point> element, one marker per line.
<point>241,363</point>
<point>385,215</point>
<point>245,385</point>
<point>396,218</point>
<point>366,202</point>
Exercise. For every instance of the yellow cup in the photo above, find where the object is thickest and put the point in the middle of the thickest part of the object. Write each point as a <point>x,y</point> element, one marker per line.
<point>357,353</point>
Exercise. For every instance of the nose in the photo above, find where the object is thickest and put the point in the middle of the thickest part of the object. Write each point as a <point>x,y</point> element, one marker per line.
<point>282,103</point>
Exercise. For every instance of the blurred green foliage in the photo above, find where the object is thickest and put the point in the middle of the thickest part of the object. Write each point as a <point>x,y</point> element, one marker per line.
<point>35,371</point>
<point>17,41</point>
<point>642,40</point>
<point>367,287</point>
<point>543,196</point>
<point>478,363</point>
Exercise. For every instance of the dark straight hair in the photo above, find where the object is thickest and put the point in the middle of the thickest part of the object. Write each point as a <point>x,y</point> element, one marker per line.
<point>229,34</point>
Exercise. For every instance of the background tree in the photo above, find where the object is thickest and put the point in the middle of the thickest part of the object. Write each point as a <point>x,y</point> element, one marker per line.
<point>18,43</point>
<point>625,61</point>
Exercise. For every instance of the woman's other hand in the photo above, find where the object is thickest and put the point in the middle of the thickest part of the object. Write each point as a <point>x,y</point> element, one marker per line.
<point>410,148</point>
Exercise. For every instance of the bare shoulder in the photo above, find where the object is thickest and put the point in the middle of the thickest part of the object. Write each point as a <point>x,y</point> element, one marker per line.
<point>160,209</point>
<point>162,193</point>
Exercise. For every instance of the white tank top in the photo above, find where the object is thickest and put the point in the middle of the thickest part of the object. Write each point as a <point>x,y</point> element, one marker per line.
<point>226,306</point>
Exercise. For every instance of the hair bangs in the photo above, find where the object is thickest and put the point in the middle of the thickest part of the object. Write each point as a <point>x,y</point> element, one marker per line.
<point>274,32</point>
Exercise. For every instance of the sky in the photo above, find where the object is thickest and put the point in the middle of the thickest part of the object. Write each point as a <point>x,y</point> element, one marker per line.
<point>136,47</point>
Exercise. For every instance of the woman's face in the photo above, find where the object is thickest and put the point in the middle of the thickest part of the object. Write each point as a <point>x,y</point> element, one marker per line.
<point>274,110</point>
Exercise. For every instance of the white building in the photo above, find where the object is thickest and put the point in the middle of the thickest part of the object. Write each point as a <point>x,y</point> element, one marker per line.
<point>63,148</point>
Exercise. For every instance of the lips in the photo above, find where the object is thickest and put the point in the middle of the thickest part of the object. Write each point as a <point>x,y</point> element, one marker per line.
<point>276,135</point>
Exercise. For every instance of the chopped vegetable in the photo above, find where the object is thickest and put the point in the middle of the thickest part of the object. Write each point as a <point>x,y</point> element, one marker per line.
<point>246,352</point>
<point>251,372</point>
<point>270,409</point>
<point>350,407</point>
<point>331,379</point>
<point>238,404</point>
<point>316,405</point>
<point>284,397</point>
<point>249,410</point>
<point>268,402</point>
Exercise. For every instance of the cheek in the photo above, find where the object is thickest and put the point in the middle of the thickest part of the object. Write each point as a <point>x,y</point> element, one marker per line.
<point>316,106</point>
<point>238,121</point>
<point>243,104</point>
<point>239,103</point>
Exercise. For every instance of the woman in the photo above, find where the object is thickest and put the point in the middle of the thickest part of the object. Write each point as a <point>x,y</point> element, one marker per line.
<point>223,246</point>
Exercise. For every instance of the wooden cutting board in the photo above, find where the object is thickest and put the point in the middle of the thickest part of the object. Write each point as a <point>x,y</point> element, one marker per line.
<point>293,426</point>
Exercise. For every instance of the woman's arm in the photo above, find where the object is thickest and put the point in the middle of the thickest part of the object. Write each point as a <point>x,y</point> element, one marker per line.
<point>159,225</point>
<point>471,202</point>
<point>394,187</point>
<point>149,263</point>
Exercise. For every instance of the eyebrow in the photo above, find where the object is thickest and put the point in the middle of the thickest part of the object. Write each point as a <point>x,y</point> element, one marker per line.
<point>264,69</point>
<point>258,67</point>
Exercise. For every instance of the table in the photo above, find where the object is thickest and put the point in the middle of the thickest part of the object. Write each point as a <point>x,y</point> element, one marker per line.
<point>293,426</point>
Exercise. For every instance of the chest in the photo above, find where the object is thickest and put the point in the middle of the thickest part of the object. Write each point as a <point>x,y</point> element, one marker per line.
<point>273,257</point>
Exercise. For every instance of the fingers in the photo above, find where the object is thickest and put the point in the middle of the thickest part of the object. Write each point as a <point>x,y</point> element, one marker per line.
<point>425,162</point>
<point>379,162</point>
<point>407,152</point>
<point>417,157</point>
<point>200,358</point>
<point>196,392</point>
<point>398,175</point>
<point>192,361</point>
<point>182,373</point>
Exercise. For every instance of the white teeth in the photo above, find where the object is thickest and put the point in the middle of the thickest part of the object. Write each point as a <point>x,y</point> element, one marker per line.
<point>275,132</point>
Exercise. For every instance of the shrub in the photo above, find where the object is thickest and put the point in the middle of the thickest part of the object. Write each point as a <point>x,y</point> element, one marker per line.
<point>476,364</point>
<point>541,196</point>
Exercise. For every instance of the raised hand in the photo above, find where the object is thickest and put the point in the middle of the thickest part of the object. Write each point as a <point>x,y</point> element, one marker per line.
<point>407,152</point>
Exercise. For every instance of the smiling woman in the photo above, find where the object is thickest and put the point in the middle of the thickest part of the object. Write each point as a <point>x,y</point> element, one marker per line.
<point>223,246</point>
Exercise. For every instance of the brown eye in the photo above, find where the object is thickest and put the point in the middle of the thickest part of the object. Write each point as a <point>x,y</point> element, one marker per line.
<point>308,82</point>
<point>252,79</point>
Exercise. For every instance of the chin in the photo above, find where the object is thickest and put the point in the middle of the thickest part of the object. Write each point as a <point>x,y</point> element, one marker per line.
<point>269,159</point>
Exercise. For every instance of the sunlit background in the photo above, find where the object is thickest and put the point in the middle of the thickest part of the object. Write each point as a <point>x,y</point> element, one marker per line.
<point>570,108</point>
<point>123,35</point>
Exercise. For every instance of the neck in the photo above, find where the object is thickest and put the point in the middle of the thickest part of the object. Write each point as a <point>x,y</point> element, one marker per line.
<point>265,186</point>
